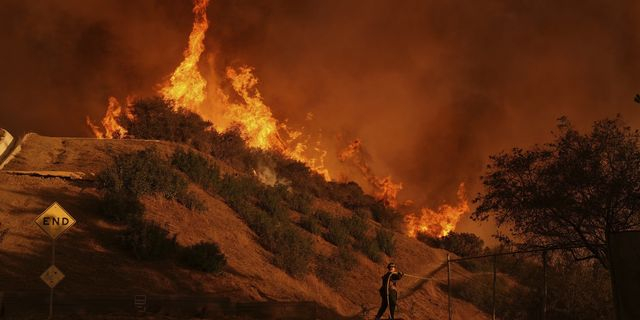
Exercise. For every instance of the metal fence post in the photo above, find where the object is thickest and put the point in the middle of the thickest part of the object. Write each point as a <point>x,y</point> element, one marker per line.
<point>449,284</point>
<point>493,301</point>
<point>544,285</point>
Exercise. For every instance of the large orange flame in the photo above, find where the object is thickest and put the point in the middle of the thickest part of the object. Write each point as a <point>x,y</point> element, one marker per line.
<point>186,85</point>
<point>259,128</point>
<point>440,222</point>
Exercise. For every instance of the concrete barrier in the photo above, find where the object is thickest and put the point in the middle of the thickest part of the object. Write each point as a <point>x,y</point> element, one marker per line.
<point>6,139</point>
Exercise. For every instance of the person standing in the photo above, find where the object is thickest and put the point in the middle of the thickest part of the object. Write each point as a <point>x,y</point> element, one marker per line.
<point>389,291</point>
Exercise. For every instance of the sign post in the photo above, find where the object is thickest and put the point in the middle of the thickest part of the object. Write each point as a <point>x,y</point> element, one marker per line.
<point>54,221</point>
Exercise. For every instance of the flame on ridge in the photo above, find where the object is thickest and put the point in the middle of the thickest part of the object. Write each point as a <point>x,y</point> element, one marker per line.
<point>260,129</point>
<point>384,188</point>
<point>110,127</point>
<point>440,222</point>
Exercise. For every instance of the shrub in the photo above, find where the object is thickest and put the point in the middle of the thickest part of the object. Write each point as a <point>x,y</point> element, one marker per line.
<point>231,148</point>
<point>311,224</point>
<point>264,225</point>
<point>141,173</point>
<point>356,226</point>
<point>121,207</point>
<point>337,233</point>
<point>386,241</point>
<point>462,244</point>
<point>291,249</point>
<point>197,168</point>
<point>136,174</point>
<point>370,248</point>
<point>148,241</point>
<point>349,194</point>
<point>270,200</point>
<point>204,256</point>
<point>192,202</point>
<point>332,270</point>
<point>299,201</point>
<point>324,217</point>
<point>385,215</point>
<point>292,252</point>
<point>238,189</point>
<point>302,179</point>
<point>156,118</point>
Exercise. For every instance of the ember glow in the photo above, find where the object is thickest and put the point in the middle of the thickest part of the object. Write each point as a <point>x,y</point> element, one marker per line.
<point>242,106</point>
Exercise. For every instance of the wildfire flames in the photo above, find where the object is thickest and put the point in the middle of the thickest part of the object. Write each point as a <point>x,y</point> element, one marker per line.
<point>186,86</point>
<point>242,106</point>
<point>439,222</point>
<point>112,129</point>
<point>384,188</point>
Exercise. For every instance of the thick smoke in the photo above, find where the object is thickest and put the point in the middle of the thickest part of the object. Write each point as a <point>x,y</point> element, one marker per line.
<point>432,88</point>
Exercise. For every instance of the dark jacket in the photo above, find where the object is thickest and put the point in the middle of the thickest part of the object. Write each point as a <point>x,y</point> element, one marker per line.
<point>389,281</point>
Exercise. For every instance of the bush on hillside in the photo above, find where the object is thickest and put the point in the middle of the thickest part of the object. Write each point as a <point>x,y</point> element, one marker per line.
<point>337,233</point>
<point>156,118</point>
<point>299,201</point>
<point>355,225</point>
<point>463,244</point>
<point>230,147</point>
<point>302,179</point>
<point>148,241</point>
<point>386,241</point>
<point>324,217</point>
<point>293,251</point>
<point>238,190</point>
<point>386,216</point>
<point>197,168</point>
<point>311,224</point>
<point>349,194</point>
<point>270,199</point>
<point>333,270</point>
<point>369,247</point>
<point>204,256</point>
<point>191,201</point>
<point>121,207</point>
<point>140,173</point>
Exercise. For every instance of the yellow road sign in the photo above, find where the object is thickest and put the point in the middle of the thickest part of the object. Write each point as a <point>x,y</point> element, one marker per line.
<point>55,220</point>
<point>52,276</point>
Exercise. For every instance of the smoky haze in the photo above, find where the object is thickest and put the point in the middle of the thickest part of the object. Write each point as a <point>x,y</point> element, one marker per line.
<point>432,88</point>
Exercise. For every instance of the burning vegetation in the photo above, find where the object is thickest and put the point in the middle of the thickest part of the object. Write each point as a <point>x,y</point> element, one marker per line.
<point>237,110</point>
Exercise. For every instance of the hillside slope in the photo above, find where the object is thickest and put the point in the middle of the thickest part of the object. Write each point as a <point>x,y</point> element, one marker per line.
<point>94,263</point>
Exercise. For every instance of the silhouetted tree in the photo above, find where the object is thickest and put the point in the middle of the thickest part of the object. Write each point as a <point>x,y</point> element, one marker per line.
<point>575,190</point>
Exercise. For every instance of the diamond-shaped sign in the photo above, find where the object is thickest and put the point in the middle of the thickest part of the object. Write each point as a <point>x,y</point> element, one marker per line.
<point>52,276</point>
<point>55,220</point>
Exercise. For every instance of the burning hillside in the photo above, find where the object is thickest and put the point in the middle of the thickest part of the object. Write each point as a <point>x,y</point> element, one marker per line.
<point>233,102</point>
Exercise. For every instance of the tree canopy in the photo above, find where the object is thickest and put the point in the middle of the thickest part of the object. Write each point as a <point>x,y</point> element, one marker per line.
<point>574,191</point>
